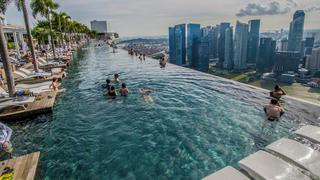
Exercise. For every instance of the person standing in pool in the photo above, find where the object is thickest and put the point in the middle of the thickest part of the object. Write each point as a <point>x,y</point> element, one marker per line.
<point>108,85</point>
<point>124,90</point>
<point>112,93</point>
<point>116,78</point>
<point>278,92</point>
<point>273,110</point>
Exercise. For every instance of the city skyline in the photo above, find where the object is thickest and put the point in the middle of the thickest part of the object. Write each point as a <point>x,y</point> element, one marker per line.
<point>152,18</point>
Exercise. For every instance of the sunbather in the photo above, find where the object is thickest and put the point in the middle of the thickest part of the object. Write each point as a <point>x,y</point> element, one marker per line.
<point>5,144</point>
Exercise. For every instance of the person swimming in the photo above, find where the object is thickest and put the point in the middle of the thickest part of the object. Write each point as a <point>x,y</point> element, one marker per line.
<point>278,92</point>
<point>273,110</point>
<point>124,90</point>
<point>146,95</point>
<point>163,62</point>
<point>116,78</point>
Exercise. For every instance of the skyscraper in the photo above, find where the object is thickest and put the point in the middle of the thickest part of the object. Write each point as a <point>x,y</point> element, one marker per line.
<point>253,43</point>
<point>296,31</point>
<point>240,46</point>
<point>228,50</point>
<point>213,42</point>
<point>309,45</point>
<point>193,34</point>
<point>221,44</point>
<point>266,55</point>
<point>171,45</point>
<point>201,54</point>
<point>177,43</point>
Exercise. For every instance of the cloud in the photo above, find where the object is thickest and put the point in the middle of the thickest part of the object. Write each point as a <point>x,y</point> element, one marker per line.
<point>254,9</point>
<point>313,8</point>
<point>292,3</point>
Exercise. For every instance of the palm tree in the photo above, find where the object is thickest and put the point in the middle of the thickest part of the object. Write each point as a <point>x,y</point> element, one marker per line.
<point>59,20</point>
<point>21,5</point>
<point>4,51</point>
<point>45,9</point>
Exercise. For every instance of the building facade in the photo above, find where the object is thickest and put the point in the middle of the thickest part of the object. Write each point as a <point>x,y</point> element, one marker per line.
<point>313,61</point>
<point>253,43</point>
<point>266,55</point>
<point>221,43</point>
<point>309,44</point>
<point>177,41</point>
<point>193,35</point>
<point>286,61</point>
<point>228,50</point>
<point>99,26</point>
<point>201,51</point>
<point>296,31</point>
<point>240,46</point>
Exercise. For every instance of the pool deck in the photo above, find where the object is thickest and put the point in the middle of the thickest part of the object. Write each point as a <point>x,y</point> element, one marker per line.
<point>24,167</point>
<point>43,104</point>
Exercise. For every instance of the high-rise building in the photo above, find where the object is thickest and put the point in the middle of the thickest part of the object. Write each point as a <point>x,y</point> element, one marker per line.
<point>177,51</point>
<point>171,45</point>
<point>228,50</point>
<point>313,61</point>
<point>309,43</point>
<point>221,44</point>
<point>253,44</point>
<point>99,26</point>
<point>296,31</point>
<point>266,55</point>
<point>193,34</point>
<point>240,46</point>
<point>201,54</point>
<point>213,42</point>
<point>286,61</point>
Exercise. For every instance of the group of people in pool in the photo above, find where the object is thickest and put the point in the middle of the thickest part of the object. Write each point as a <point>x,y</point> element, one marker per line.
<point>123,91</point>
<point>274,110</point>
<point>133,52</point>
<point>111,90</point>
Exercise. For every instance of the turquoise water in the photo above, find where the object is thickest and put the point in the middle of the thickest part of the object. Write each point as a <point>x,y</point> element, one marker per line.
<point>198,123</point>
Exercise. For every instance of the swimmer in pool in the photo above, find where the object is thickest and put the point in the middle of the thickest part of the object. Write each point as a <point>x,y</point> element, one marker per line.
<point>124,90</point>
<point>116,78</point>
<point>273,110</point>
<point>146,95</point>
<point>112,93</point>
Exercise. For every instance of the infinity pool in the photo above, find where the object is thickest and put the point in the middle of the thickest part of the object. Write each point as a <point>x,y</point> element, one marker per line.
<point>198,123</point>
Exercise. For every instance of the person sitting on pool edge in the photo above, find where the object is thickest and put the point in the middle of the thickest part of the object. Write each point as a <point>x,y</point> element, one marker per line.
<point>55,84</point>
<point>124,90</point>
<point>278,92</point>
<point>116,78</point>
<point>273,110</point>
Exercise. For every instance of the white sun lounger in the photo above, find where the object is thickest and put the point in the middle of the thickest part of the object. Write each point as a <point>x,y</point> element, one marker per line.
<point>36,85</point>
<point>303,155</point>
<point>263,165</point>
<point>12,102</point>
<point>227,173</point>
<point>309,132</point>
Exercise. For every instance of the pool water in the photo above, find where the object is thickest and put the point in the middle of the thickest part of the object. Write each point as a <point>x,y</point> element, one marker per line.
<point>198,123</point>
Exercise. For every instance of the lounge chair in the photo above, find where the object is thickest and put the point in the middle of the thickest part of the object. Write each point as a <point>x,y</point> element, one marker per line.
<point>263,165</point>
<point>15,102</point>
<point>310,132</point>
<point>35,88</point>
<point>227,173</point>
<point>306,157</point>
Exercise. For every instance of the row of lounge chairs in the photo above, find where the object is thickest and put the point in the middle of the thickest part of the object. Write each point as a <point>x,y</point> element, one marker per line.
<point>283,159</point>
<point>35,82</point>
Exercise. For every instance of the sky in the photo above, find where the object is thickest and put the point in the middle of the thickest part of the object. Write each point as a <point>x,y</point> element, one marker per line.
<point>153,17</point>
